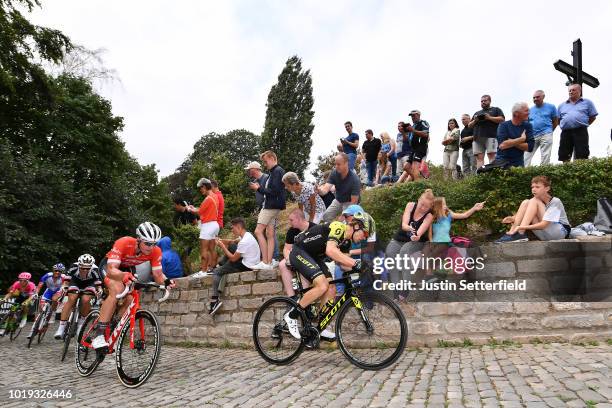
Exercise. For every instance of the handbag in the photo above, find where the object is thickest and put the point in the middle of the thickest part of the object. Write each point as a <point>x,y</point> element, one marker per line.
<point>603,218</point>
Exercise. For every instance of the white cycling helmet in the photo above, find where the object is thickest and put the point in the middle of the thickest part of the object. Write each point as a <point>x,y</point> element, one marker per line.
<point>86,260</point>
<point>148,232</point>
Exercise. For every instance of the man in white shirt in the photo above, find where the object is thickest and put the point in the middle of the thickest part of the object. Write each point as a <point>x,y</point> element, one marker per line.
<point>241,257</point>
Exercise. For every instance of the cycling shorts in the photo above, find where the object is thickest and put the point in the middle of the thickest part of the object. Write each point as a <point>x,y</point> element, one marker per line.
<point>48,295</point>
<point>306,265</point>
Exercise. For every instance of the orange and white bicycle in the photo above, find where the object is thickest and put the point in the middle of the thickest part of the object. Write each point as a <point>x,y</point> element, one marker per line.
<point>136,339</point>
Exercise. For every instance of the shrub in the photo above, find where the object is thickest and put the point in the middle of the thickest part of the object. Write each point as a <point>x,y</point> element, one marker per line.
<point>578,184</point>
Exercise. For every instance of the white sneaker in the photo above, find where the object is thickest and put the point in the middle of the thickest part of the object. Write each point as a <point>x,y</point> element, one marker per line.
<point>292,325</point>
<point>23,322</point>
<point>198,275</point>
<point>60,331</point>
<point>262,266</point>
<point>99,342</point>
<point>328,335</point>
<point>275,263</point>
<point>52,319</point>
<point>1,332</point>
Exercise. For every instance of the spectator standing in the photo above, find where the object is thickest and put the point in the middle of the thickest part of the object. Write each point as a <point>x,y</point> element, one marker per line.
<point>467,155</point>
<point>182,216</point>
<point>347,186</point>
<point>308,199</point>
<point>485,123</point>
<point>220,200</point>
<point>171,262</point>
<point>544,119</point>
<point>389,147</point>
<point>257,176</point>
<point>349,145</point>
<point>209,228</point>
<point>575,116</point>
<point>420,139</point>
<point>274,202</point>
<point>515,136</point>
<point>451,149</point>
<point>403,146</point>
<point>242,254</point>
<point>371,146</point>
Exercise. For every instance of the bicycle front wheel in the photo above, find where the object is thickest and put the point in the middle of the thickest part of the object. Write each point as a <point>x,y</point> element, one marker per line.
<point>270,333</point>
<point>71,327</point>
<point>15,327</point>
<point>136,364</point>
<point>372,331</point>
<point>86,358</point>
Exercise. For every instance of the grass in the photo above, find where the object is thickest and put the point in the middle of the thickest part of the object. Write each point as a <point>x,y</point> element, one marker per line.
<point>609,341</point>
<point>590,404</point>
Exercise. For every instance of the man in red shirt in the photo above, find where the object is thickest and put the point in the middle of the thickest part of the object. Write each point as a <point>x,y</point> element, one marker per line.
<point>126,253</point>
<point>220,210</point>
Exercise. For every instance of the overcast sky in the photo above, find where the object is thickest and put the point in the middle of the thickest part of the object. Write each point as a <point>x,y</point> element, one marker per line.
<point>191,67</point>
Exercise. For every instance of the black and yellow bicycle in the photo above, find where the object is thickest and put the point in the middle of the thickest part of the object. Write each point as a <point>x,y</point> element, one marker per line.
<point>370,330</point>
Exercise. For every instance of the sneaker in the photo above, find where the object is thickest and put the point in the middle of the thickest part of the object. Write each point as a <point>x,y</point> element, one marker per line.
<point>516,237</point>
<point>23,322</point>
<point>1,332</point>
<point>200,274</point>
<point>60,332</point>
<point>214,306</point>
<point>52,319</point>
<point>328,335</point>
<point>292,325</point>
<point>99,342</point>
<point>262,266</point>
<point>274,263</point>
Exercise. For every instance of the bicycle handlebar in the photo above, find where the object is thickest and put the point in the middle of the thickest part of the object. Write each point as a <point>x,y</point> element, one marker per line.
<point>130,287</point>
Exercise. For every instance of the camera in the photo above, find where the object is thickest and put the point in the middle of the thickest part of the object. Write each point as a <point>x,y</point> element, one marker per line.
<point>481,116</point>
<point>405,127</point>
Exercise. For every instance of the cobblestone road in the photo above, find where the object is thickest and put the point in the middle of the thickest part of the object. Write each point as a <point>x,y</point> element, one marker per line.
<point>545,375</point>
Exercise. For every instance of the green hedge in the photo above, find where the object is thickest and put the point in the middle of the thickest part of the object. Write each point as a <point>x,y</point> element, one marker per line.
<point>578,184</point>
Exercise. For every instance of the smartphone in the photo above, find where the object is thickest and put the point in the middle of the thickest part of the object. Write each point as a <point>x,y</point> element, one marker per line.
<point>185,202</point>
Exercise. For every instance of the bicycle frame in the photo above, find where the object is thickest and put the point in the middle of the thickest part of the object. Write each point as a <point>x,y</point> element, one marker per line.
<point>130,314</point>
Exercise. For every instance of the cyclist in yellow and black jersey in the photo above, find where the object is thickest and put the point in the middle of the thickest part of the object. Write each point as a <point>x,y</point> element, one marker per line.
<point>308,254</point>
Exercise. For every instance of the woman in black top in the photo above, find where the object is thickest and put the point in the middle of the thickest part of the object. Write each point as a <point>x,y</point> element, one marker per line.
<point>410,237</point>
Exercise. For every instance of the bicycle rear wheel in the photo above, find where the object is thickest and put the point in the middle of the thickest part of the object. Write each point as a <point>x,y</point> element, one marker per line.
<point>272,339</point>
<point>86,358</point>
<point>373,335</point>
<point>135,365</point>
<point>35,327</point>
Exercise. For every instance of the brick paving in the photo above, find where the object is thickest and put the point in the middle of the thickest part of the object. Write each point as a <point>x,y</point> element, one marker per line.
<point>543,375</point>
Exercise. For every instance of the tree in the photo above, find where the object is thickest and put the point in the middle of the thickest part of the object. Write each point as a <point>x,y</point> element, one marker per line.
<point>325,162</point>
<point>288,127</point>
<point>239,146</point>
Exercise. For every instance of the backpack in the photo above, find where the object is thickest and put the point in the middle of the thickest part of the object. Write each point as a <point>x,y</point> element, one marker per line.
<point>603,219</point>
<point>495,164</point>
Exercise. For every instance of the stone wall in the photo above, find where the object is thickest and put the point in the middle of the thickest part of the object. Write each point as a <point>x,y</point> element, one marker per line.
<point>184,317</point>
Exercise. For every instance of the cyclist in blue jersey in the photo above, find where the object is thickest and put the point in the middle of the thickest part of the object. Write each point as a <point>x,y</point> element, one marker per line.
<point>52,281</point>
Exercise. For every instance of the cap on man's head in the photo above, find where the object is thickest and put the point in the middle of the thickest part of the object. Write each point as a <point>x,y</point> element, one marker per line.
<point>414,111</point>
<point>352,209</point>
<point>253,165</point>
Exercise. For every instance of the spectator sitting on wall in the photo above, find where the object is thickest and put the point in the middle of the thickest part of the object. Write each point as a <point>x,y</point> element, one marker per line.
<point>242,254</point>
<point>543,214</point>
<point>298,224</point>
<point>171,262</point>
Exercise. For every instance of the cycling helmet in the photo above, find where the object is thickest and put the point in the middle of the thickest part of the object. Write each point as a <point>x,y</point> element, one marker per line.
<point>364,221</point>
<point>59,267</point>
<point>25,275</point>
<point>86,260</point>
<point>148,232</point>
